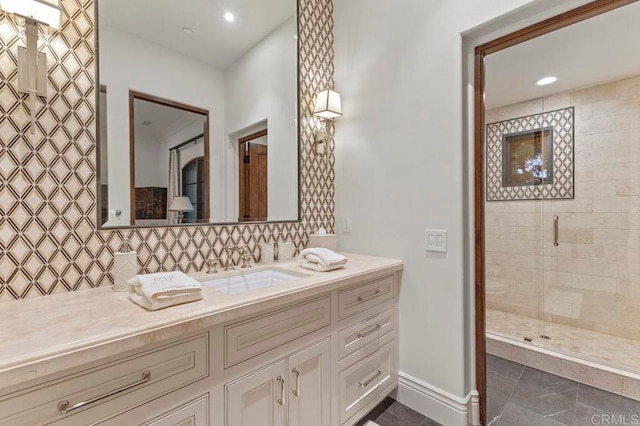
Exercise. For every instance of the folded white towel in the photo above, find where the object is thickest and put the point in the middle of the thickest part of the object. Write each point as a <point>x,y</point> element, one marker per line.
<point>154,305</point>
<point>321,268</point>
<point>321,259</point>
<point>164,289</point>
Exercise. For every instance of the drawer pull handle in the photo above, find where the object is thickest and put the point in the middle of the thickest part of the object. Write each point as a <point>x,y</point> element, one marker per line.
<point>281,400</point>
<point>368,382</point>
<point>375,328</point>
<point>370,297</point>
<point>64,407</point>
<point>296,391</point>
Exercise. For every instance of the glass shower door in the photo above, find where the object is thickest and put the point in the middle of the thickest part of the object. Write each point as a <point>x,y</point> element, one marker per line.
<point>514,238</point>
<point>591,243</point>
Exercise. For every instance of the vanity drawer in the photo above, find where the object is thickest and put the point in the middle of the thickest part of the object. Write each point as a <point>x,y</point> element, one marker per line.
<point>362,383</point>
<point>353,338</point>
<point>260,334</point>
<point>109,389</point>
<point>195,413</point>
<point>360,298</point>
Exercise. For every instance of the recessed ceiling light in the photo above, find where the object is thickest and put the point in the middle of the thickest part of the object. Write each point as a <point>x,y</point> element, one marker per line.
<point>187,31</point>
<point>228,16</point>
<point>546,80</point>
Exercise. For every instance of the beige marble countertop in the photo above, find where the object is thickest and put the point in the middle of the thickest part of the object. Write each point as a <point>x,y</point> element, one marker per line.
<point>45,335</point>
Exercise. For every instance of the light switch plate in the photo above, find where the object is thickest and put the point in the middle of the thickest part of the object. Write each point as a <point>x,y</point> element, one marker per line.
<point>436,240</point>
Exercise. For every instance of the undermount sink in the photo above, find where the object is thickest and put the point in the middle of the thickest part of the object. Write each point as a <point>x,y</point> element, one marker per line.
<point>248,281</point>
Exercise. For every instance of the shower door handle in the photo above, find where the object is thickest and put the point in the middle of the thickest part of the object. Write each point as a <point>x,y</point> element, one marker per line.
<point>556,232</point>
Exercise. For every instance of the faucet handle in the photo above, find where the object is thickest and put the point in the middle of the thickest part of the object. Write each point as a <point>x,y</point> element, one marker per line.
<point>212,264</point>
<point>246,258</point>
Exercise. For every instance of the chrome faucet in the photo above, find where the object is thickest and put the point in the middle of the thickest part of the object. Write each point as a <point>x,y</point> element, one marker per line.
<point>229,249</point>
<point>212,264</point>
<point>245,255</point>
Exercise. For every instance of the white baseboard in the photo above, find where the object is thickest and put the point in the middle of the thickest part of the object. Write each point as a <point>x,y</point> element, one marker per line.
<point>437,404</point>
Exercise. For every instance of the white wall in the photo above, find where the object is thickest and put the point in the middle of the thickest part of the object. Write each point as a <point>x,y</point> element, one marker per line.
<point>149,165</point>
<point>262,86</point>
<point>401,162</point>
<point>149,68</point>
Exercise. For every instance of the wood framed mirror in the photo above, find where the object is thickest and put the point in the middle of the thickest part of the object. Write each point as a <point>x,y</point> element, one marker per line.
<point>169,145</point>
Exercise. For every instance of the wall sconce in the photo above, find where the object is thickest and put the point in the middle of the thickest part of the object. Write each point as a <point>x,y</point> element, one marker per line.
<point>328,107</point>
<point>32,66</point>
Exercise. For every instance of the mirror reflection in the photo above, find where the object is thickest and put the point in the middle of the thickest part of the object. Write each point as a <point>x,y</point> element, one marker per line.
<point>197,112</point>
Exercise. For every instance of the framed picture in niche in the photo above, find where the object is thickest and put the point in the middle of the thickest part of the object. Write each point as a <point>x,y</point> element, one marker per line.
<point>527,158</point>
<point>531,157</point>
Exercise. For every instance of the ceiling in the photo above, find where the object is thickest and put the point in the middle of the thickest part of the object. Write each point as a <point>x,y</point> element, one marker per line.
<point>214,41</point>
<point>598,50</point>
<point>163,122</point>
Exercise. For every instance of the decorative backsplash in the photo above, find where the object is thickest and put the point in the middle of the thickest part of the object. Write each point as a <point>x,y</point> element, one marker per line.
<point>49,242</point>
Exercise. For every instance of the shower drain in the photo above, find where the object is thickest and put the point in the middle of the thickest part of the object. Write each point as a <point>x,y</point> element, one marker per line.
<point>542,336</point>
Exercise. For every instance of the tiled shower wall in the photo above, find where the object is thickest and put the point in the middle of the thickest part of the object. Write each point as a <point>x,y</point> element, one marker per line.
<point>592,279</point>
<point>48,237</point>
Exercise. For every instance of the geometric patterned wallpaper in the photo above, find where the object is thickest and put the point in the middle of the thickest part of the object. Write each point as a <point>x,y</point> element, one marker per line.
<point>562,187</point>
<point>49,241</point>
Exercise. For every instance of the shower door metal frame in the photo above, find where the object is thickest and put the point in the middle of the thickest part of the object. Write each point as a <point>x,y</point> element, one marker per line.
<point>555,23</point>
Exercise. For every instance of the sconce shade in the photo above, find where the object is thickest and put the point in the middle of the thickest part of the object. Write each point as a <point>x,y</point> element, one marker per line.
<point>47,12</point>
<point>181,204</point>
<point>328,104</point>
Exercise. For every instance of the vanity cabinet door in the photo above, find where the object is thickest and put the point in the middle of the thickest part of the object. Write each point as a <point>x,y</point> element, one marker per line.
<point>258,399</point>
<point>310,386</point>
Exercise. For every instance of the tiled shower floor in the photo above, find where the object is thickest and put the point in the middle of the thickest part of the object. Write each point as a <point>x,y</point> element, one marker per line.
<point>600,348</point>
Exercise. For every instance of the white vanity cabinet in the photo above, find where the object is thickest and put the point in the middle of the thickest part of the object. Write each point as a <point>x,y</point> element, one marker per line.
<point>324,358</point>
<point>258,398</point>
<point>294,391</point>
<point>323,361</point>
<point>310,386</point>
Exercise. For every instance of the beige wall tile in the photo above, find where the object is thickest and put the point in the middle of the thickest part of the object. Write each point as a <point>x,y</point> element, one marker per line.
<point>615,106</point>
<point>571,322</point>
<point>596,125</point>
<point>617,237</point>
<point>575,280</point>
<point>628,88</point>
<point>583,174</point>
<point>629,220</point>
<point>603,92</point>
<point>628,120</point>
<point>616,204</point>
<point>560,101</point>
<point>628,188</point>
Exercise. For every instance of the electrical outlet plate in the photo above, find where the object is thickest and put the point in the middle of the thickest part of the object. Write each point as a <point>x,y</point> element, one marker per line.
<point>347,224</point>
<point>436,240</point>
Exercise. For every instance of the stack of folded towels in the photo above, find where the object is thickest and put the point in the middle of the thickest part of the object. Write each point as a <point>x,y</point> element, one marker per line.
<point>321,259</point>
<point>163,289</point>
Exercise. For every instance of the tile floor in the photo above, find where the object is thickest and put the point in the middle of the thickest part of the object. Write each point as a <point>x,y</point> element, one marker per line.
<point>391,413</point>
<point>523,396</point>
